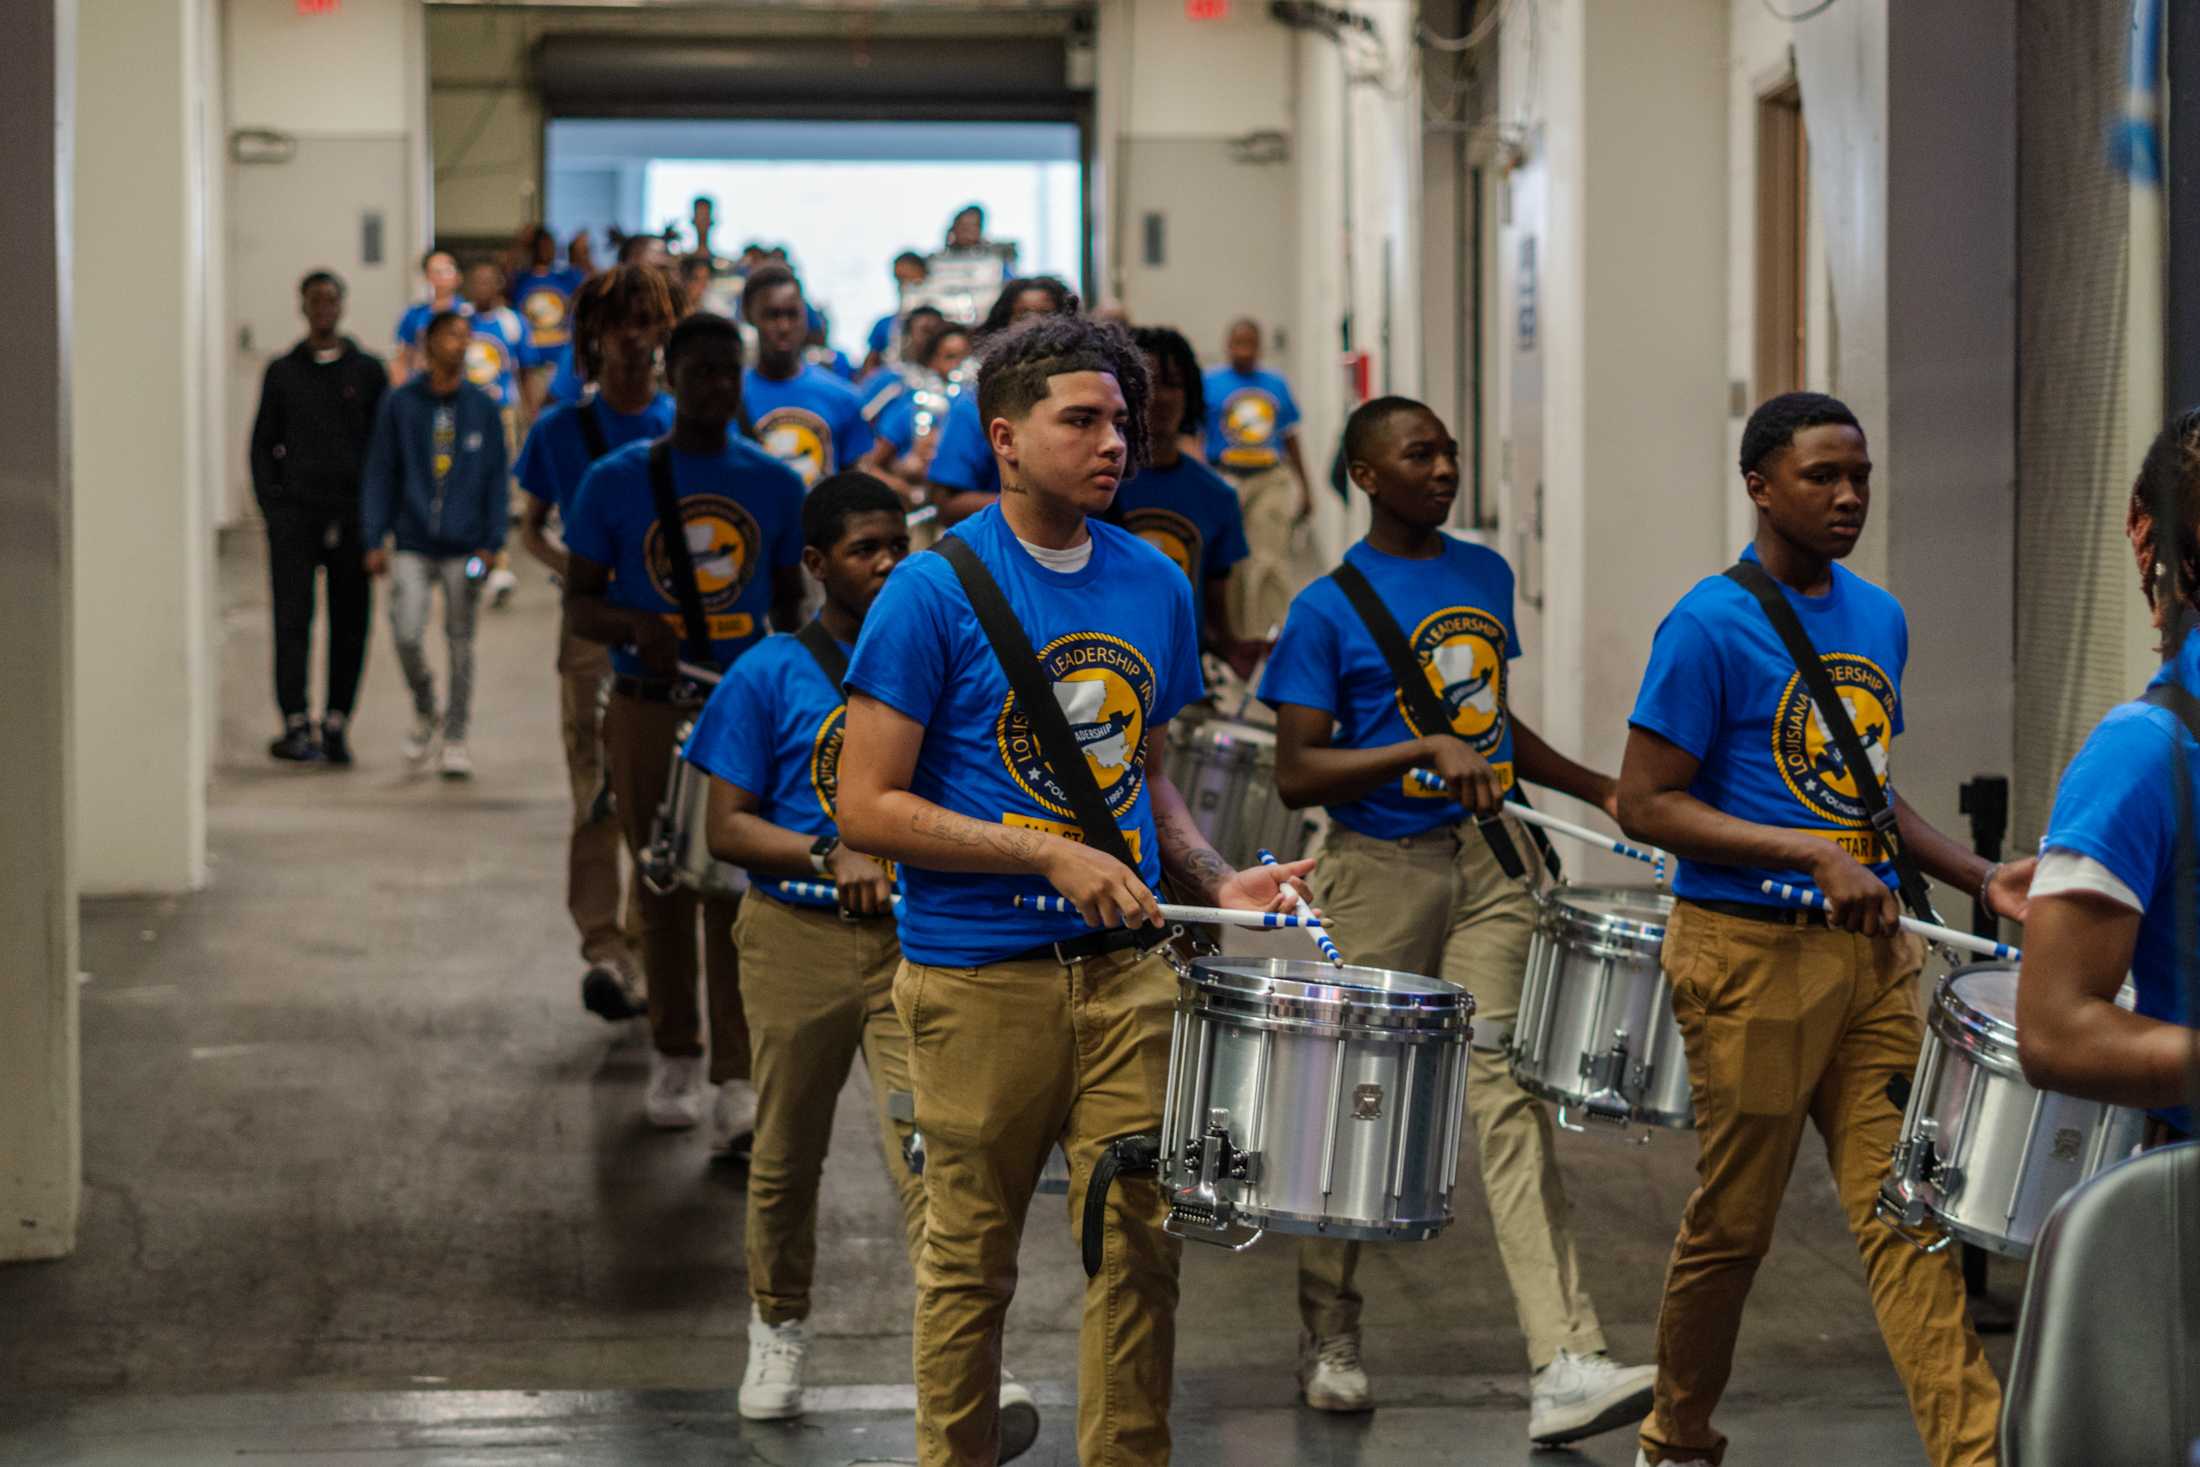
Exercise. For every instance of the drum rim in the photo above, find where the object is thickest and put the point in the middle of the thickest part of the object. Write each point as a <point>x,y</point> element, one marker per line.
<point>1397,1026</point>
<point>1600,927</point>
<point>1207,975</point>
<point>1979,1036</point>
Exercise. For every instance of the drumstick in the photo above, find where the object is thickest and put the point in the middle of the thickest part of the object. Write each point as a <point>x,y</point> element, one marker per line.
<point>708,676</point>
<point>1246,702</point>
<point>1218,916</point>
<point>815,891</point>
<point>1321,938</point>
<point>1984,947</point>
<point>1429,779</point>
<point>923,514</point>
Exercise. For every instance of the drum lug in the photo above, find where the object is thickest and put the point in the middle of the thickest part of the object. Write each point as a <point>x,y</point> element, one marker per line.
<point>1213,1158</point>
<point>1607,1072</point>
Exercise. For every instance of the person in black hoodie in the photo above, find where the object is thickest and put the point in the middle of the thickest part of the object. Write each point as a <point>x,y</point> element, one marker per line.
<point>309,444</point>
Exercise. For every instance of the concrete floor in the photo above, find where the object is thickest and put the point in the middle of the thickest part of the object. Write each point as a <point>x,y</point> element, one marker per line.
<point>364,1183</point>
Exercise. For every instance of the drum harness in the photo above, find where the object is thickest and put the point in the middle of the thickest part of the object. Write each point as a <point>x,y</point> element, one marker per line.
<point>659,865</point>
<point>1133,1155</point>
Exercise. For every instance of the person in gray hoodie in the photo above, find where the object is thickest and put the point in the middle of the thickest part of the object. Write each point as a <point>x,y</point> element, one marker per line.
<point>435,485</point>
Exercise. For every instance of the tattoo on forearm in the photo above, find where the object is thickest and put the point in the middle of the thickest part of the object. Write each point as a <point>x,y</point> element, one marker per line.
<point>1184,850</point>
<point>963,830</point>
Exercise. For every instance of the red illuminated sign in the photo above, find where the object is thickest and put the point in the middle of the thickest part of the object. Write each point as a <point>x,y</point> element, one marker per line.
<point>1206,9</point>
<point>318,7</point>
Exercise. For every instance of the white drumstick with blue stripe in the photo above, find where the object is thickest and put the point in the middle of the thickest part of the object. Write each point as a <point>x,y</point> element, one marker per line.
<point>823,892</point>
<point>1429,779</point>
<point>1321,938</point>
<point>1985,947</point>
<point>1170,912</point>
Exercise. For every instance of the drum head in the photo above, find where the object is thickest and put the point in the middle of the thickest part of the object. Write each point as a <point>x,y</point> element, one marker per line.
<point>1309,983</point>
<point>1976,1011</point>
<point>1629,913</point>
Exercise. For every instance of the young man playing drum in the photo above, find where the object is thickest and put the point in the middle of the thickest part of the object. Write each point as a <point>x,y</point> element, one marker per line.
<point>1028,1028</point>
<point>2107,900</point>
<point>1408,882</point>
<point>1794,1017</point>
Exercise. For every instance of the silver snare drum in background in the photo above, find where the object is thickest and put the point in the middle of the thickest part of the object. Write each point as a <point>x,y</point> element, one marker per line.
<point>679,838</point>
<point>1315,1100</point>
<point>1984,1155</point>
<point>1226,772</point>
<point>1595,1030</point>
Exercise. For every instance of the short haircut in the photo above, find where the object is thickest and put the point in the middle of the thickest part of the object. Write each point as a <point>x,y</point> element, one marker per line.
<point>703,201</point>
<point>950,332</point>
<point>1064,300</point>
<point>634,246</point>
<point>442,319</point>
<point>829,507</point>
<point>696,329</point>
<point>1166,345</point>
<point>766,278</point>
<point>612,298</point>
<point>1021,363</point>
<point>911,257</point>
<point>321,277</point>
<point>977,209</point>
<point>1778,419</point>
<point>697,264</point>
<point>916,311</point>
<point>536,234</point>
<point>424,259</point>
<point>1364,428</point>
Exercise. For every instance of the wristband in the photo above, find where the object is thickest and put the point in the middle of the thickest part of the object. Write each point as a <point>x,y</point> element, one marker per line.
<point>1985,882</point>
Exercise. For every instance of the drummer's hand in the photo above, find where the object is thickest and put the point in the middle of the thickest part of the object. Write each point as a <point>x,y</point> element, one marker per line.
<point>1856,899</point>
<point>2009,894</point>
<point>1610,803</point>
<point>1465,773</point>
<point>1266,888</point>
<point>1244,657</point>
<point>657,645</point>
<point>865,888</point>
<point>1105,892</point>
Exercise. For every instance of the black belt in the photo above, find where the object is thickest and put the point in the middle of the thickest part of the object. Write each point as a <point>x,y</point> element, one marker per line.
<point>648,689</point>
<point>1091,945</point>
<point>1759,912</point>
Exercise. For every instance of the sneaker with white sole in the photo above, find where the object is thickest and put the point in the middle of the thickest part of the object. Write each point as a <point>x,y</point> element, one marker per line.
<point>502,583</point>
<point>1019,1418</point>
<point>732,1117</point>
<point>1642,1459</point>
<point>771,1382</point>
<point>456,763</point>
<point>1580,1395</point>
<point>675,1099</point>
<point>1331,1377</point>
<point>422,738</point>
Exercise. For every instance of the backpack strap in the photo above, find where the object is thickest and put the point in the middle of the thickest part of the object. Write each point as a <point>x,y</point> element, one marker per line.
<point>674,532</point>
<point>592,433</point>
<point>830,659</point>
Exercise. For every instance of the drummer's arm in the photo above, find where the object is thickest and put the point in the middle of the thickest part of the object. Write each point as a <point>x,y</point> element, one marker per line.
<point>1310,771</point>
<point>2071,1037</point>
<point>589,612</point>
<point>740,835</point>
<point>1539,763</point>
<point>1951,861</point>
<point>1194,867</point>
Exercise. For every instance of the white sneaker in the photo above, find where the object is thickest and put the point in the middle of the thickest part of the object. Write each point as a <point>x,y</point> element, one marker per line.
<point>1019,1418</point>
<point>422,738</point>
<point>1580,1395</point>
<point>675,1098</point>
<point>771,1383</point>
<point>1331,1376</point>
<point>1642,1459</point>
<point>732,1116</point>
<point>456,763</point>
<point>501,584</point>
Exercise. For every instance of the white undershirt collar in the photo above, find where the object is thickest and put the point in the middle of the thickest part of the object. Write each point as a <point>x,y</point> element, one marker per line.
<point>1063,562</point>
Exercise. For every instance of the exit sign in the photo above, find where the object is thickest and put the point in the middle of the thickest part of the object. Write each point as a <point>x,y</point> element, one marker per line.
<point>318,7</point>
<point>1206,9</point>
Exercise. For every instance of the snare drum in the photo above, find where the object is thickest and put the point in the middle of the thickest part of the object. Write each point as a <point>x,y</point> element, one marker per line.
<point>1226,772</point>
<point>1983,1154</point>
<point>1596,1030</point>
<point>1314,1100</point>
<point>679,838</point>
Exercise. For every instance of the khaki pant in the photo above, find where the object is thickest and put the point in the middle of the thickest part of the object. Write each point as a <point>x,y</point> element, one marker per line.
<point>638,742</point>
<point>1788,1025</point>
<point>1009,1059</point>
<point>1262,586</point>
<point>1439,904</point>
<point>817,990</point>
<point>595,891</point>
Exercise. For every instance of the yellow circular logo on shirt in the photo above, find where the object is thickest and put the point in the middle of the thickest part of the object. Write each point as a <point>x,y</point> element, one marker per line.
<point>1803,747</point>
<point>545,310</point>
<point>1105,688</point>
<point>723,541</point>
<point>1249,417</point>
<point>1462,654</point>
<point>800,439</point>
<point>825,760</point>
<point>485,364</point>
<point>1171,534</point>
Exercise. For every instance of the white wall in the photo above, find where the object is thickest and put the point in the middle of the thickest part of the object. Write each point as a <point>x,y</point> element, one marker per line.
<point>341,73</point>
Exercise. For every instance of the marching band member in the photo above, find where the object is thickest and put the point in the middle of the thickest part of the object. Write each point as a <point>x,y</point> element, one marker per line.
<point>2107,896</point>
<point>1794,1017</point>
<point>1028,1028</point>
<point>1409,883</point>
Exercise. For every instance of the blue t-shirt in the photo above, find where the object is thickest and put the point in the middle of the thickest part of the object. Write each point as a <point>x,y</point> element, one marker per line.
<point>418,315</point>
<point>742,511</point>
<point>1116,639</point>
<point>774,728</point>
<point>964,459</point>
<point>1248,416</point>
<point>1721,686</point>
<point>2115,805</point>
<point>496,352</point>
<point>555,456</point>
<point>882,333</point>
<point>544,300</point>
<point>565,381</point>
<point>1456,610</point>
<point>1191,515</point>
<point>812,422</point>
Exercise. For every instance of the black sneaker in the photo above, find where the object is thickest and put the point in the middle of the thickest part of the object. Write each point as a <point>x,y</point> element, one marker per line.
<point>606,995</point>
<point>335,743</point>
<point>296,746</point>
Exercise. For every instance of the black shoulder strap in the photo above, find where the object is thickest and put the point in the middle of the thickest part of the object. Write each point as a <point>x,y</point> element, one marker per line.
<point>592,432</point>
<point>1033,692</point>
<point>1754,579</point>
<point>831,660</point>
<point>2177,701</point>
<point>2186,861</point>
<point>1421,701</point>
<point>674,531</point>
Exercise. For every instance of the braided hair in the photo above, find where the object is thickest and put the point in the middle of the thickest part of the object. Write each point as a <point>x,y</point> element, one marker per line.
<point>1179,363</point>
<point>612,298</point>
<point>2167,491</point>
<point>1020,362</point>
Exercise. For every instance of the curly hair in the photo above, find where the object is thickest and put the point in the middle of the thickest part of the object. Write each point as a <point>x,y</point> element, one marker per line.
<point>1019,364</point>
<point>615,297</point>
<point>1064,302</point>
<point>2167,491</point>
<point>1777,420</point>
<point>1167,346</point>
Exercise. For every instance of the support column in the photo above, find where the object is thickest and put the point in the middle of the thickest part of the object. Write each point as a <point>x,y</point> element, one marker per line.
<point>40,1140</point>
<point>143,538</point>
